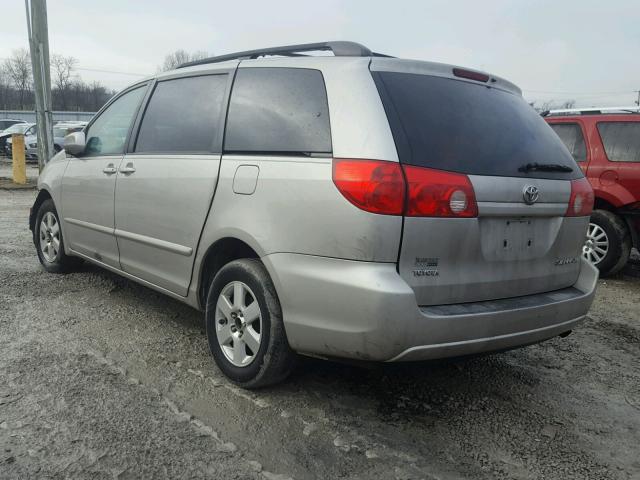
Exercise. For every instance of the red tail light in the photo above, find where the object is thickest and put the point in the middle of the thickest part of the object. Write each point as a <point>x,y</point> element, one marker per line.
<point>372,185</point>
<point>434,193</point>
<point>581,200</point>
<point>379,187</point>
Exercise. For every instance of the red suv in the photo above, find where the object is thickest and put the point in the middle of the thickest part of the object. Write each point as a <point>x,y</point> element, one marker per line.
<point>606,145</point>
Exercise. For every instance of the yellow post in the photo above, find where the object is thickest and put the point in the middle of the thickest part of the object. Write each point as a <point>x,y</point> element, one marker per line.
<point>19,166</point>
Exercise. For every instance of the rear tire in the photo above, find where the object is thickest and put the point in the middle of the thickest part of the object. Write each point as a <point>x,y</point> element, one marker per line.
<point>47,237</point>
<point>607,226</point>
<point>244,326</point>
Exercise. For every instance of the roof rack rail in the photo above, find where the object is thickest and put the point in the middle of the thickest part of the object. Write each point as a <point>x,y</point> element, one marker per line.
<point>339,49</point>
<point>590,110</point>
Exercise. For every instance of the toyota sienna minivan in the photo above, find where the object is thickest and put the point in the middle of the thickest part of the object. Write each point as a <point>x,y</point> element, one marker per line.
<point>353,206</point>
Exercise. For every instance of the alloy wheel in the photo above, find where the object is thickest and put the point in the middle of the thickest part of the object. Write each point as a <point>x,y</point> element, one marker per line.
<point>49,237</point>
<point>596,245</point>
<point>238,323</point>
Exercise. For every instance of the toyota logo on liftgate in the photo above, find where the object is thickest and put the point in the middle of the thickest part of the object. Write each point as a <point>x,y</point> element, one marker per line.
<point>530,194</point>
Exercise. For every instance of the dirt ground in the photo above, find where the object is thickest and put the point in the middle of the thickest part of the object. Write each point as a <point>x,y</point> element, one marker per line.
<point>103,378</point>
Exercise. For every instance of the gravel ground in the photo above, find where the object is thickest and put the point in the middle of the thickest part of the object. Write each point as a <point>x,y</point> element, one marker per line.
<point>103,378</point>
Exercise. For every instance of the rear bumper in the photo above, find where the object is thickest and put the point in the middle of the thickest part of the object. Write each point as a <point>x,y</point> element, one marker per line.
<point>366,311</point>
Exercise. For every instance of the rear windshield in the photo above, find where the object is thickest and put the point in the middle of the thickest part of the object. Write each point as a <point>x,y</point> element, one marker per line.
<point>462,127</point>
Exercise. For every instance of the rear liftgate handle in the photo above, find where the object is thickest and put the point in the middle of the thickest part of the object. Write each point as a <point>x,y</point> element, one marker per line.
<point>128,168</point>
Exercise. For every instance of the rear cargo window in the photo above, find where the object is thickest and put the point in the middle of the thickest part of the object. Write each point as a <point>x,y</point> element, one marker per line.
<point>278,110</point>
<point>621,140</point>
<point>571,136</point>
<point>469,128</point>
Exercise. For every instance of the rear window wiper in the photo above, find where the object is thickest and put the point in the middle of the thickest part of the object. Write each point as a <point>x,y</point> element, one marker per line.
<point>545,167</point>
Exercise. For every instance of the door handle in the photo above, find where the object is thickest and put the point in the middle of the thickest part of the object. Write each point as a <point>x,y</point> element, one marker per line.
<point>110,169</point>
<point>129,168</point>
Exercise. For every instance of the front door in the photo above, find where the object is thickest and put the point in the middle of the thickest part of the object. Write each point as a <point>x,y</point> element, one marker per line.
<point>165,185</point>
<point>89,182</point>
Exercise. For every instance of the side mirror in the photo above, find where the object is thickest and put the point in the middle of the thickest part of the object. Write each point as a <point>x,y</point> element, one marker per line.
<point>75,143</point>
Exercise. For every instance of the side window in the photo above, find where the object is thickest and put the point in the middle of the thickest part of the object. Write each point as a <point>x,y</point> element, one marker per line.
<point>571,136</point>
<point>184,115</point>
<point>107,135</point>
<point>31,131</point>
<point>621,140</point>
<point>278,110</point>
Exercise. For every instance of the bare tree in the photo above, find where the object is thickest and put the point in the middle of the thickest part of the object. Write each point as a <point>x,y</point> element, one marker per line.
<point>5,88</point>
<point>18,68</point>
<point>69,92</point>
<point>177,58</point>
<point>548,105</point>
<point>62,73</point>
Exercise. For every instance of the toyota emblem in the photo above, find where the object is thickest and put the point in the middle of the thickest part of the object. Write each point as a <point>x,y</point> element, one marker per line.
<point>530,194</point>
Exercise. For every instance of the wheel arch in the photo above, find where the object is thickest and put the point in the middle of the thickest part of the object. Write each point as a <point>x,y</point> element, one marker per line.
<point>42,196</point>
<point>615,196</point>
<point>221,252</point>
<point>603,204</point>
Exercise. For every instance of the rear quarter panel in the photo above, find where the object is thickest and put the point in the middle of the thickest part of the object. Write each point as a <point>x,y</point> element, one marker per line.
<point>296,208</point>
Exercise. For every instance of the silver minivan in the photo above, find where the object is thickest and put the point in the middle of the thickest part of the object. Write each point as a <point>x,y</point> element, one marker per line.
<point>352,206</point>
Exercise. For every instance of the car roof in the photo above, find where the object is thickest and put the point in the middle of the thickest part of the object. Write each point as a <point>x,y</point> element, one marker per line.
<point>319,62</point>
<point>345,53</point>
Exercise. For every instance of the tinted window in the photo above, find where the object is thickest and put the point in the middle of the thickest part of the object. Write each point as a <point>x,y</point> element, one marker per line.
<point>184,115</point>
<point>621,140</point>
<point>107,134</point>
<point>463,127</point>
<point>278,110</point>
<point>571,136</point>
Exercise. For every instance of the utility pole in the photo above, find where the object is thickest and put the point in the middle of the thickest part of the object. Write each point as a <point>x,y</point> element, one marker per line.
<point>39,46</point>
<point>638,101</point>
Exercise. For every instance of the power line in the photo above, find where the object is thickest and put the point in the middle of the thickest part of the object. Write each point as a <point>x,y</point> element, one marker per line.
<point>99,70</point>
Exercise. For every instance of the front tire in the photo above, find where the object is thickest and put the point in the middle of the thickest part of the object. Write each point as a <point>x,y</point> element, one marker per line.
<point>49,242</point>
<point>608,243</point>
<point>244,326</point>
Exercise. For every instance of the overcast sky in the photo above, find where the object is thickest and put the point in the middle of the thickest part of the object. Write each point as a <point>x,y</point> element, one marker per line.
<point>572,49</point>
